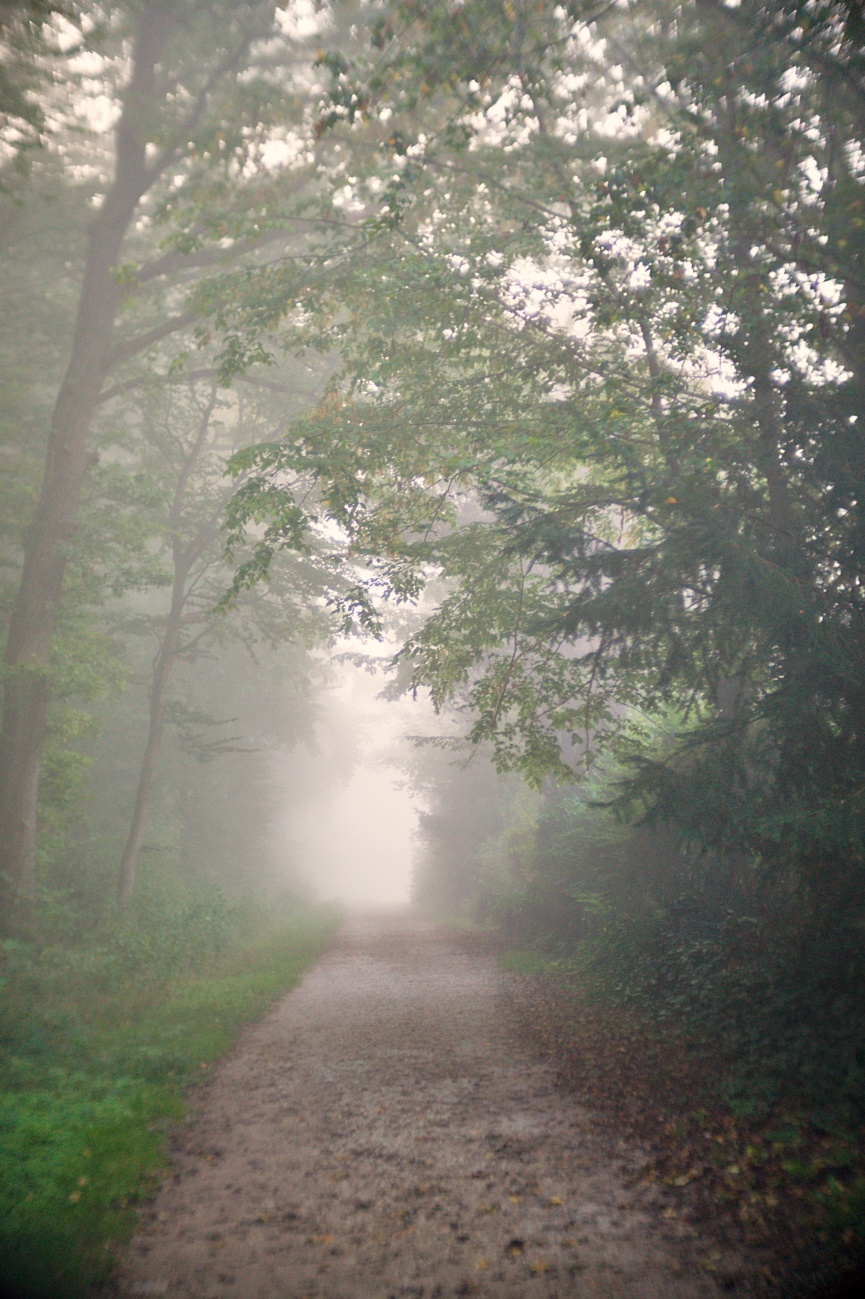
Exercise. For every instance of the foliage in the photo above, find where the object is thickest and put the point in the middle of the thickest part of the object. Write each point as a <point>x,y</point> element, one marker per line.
<point>99,1039</point>
<point>574,298</point>
<point>792,1187</point>
<point>469,833</point>
<point>603,374</point>
<point>207,174</point>
<point>684,993</point>
<point>28,31</point>
<point>120,564</point>
<point>713,946</point>
<point>690,998</point>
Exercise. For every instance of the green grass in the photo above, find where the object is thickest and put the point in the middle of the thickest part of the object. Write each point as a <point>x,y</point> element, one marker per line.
<point>90,1081</point>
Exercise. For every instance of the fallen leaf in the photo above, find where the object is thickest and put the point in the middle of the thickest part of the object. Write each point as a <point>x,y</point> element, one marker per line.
<point>539,1267</point>
<point>481,1262</point>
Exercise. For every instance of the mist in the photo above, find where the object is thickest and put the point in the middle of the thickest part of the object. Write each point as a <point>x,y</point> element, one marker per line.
<point>348,820</point>
<point>529,337</point>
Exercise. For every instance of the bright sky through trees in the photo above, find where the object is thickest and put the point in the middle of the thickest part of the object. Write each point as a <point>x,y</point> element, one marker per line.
<point>352,833</point>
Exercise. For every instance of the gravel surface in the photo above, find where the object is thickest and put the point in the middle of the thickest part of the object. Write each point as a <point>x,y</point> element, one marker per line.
<point>385,1132</point>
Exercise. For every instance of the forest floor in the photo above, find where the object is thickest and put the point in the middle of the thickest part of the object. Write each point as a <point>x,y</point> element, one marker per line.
<point>389,1131</point>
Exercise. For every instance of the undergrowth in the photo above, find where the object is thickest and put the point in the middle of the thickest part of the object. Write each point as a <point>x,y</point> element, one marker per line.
<point>746,1097</point>
<point>717,1010</point>
<point>99,1039</point>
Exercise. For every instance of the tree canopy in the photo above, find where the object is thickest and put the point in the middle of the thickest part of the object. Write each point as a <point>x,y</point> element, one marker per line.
<point>531,332</point>
<point>603,374</point>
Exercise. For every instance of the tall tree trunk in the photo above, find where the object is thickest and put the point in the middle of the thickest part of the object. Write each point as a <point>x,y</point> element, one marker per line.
<point>183,558</point>
<point>147,774</point>
<point>27,683</point>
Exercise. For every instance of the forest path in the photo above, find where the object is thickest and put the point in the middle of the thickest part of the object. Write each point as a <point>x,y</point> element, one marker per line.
<point>384,1132</point>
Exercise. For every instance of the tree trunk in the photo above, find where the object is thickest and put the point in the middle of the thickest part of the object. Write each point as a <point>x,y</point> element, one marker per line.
<point>52,530</point>
<point>147,775</point>
<point>183,558</point>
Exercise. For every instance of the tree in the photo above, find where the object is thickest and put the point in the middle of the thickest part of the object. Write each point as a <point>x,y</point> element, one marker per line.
<point>201,92</point>
<point>186,433</point>
<point>619,303</point>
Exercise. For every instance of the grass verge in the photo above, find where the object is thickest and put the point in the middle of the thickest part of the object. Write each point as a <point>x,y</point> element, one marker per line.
<point>89,1082</point>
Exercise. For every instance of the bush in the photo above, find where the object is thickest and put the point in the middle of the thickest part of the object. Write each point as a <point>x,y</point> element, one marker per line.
<point>710,944</point>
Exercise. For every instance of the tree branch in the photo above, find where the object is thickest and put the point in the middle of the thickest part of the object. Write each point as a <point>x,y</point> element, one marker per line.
<point>132,346</point>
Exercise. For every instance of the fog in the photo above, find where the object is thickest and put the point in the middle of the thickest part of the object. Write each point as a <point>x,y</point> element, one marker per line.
<point>349,820</point>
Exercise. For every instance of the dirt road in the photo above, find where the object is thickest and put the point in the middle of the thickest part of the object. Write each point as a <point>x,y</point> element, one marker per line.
<point>384,1133</point>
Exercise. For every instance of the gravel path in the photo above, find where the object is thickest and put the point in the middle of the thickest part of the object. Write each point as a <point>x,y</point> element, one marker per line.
<point>385,1133</point>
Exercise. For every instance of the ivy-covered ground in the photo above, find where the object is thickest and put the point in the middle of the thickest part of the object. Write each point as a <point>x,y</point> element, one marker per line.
<point>782,1175</point>
<point>99,1041</point>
